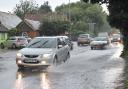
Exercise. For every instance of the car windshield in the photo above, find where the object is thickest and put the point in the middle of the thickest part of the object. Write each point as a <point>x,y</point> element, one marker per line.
<point>42,43</point>
<point>116,36</point>
<point>100,39</point>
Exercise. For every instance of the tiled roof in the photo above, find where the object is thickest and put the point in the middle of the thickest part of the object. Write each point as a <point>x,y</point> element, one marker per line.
<point>33,24</point>
<point>9,20</point>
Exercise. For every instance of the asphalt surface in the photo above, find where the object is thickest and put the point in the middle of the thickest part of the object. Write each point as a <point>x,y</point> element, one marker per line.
<point>86,69</point>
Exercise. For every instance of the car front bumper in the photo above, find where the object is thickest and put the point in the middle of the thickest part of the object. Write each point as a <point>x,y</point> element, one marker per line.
<point>19,62</point>
<point>98,45</point>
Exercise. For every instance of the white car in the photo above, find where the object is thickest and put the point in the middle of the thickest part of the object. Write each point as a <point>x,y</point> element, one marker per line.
<point>43,51</point>
<point>16,42</point>
<point>99,42</point>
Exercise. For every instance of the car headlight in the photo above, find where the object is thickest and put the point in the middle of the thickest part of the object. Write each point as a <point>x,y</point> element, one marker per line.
<point>46,55</point>
<point>19,62</point>
<point>19,55</point>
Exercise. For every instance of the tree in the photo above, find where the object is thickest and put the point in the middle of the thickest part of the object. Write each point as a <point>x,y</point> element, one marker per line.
<point>52,28</point>
<point>118,17</point>
<point>45,8</point>
<point>85,13</point>
<point>25,7</point>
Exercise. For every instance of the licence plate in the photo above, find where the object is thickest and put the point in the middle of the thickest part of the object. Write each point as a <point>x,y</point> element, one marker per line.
<point>30,60</point>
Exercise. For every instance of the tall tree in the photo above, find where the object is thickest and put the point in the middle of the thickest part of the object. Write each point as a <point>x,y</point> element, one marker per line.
<point>118,17</point>
<point>45,8</point>
<point>52,28</point>
<point>25,7</point>
<point>84,13</point>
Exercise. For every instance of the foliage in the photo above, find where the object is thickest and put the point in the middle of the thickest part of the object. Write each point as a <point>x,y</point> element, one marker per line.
<point>118,17</point>
<point>12,32</point>
<point>25,7</point>
<point>85,13</point>
<point>45,8</point>
<point>51,28</point>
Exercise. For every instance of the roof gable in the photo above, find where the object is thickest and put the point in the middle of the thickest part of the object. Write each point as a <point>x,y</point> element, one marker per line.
<point>3,29</point>
<point>9,20</point>
<point>33,24</point>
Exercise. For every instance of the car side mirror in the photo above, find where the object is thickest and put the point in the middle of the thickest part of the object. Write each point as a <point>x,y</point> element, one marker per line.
<point>60,46</point>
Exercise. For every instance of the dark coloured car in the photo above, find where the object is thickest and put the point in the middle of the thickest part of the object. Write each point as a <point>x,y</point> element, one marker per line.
<point>83,39</point>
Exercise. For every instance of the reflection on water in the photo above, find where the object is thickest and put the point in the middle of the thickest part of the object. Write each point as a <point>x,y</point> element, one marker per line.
<point>111,77</point>
<point>19,81</point>
<point>119,51</point>
<point>26,80</point>
<point>44,81</point>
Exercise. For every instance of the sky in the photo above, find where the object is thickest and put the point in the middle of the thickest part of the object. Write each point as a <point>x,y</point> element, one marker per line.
<point>9,5</point>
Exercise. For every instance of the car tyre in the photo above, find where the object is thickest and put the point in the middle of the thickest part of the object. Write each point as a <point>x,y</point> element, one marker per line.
<point>55,61</point>
<point>67,57</point>
<point>13,46</point>
<point>92,48</point>
<point>71,48</point>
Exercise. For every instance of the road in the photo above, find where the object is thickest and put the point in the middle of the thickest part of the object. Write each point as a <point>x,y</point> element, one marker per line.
<point>86,69</point>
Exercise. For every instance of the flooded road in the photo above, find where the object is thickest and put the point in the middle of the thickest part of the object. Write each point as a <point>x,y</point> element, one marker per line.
<point>86,69</point>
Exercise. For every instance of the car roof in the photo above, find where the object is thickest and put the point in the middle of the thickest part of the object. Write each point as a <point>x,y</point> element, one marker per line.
<point>101,37</point>
<point>84,34</point>
<point>51,37</point>
<point>63,36</point>
<point>47,37</point>
<point>16,37</point>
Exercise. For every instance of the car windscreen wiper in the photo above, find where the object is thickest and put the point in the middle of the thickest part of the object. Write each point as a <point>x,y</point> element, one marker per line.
<point>43,44</point>
<point>33,44</point>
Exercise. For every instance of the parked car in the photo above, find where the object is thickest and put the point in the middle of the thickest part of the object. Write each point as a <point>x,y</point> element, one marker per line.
<point>43,52</point>
<point>99,42</point>
<point>16,42</point>
<point>83,39</point>
<point>68,41</point>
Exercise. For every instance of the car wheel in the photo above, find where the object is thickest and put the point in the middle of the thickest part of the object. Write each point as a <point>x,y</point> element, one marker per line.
<point>71,48</point>
<point>2,46</point>
<point>13,46</point>
<point>92,48</point>
<point>55,61</point>
<point>67,57</point>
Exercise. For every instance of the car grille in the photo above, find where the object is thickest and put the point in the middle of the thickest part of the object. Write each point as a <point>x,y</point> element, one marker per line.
<point>31,56</point>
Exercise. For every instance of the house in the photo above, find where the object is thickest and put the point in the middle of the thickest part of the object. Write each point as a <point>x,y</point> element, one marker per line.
<point>29,27</point>
<point>8,21</point>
